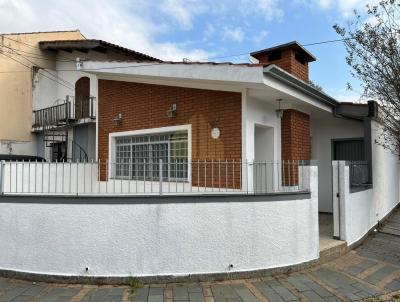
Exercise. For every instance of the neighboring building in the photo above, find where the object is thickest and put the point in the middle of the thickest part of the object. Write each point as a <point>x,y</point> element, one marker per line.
<point>40,81</point>
<point>17,85</point>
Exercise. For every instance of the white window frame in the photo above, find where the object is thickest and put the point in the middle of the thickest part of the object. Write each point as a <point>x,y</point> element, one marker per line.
<point>114,135</point>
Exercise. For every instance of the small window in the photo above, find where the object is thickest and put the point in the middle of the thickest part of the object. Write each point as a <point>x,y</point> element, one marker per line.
<point>274,55</point>
<point>138,157</point>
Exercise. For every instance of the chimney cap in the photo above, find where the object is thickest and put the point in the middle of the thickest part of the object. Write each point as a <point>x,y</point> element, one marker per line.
<point>291,45</point>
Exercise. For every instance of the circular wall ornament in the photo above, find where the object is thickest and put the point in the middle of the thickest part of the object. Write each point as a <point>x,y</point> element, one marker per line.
<point>215,133</point>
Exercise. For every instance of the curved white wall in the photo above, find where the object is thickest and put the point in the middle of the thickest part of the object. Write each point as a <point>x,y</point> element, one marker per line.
<point>178,238</point>
<point>360,211</point>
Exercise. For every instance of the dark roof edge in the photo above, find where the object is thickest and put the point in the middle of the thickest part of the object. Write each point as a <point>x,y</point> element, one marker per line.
<point>283,46</point>
<point>291,80</point>
<point>42,32</point>
<point>90,44</point>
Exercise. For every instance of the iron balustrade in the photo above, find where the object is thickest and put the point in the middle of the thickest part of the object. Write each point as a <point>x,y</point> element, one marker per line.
<point>154,178</point>
<point>65,112</point>
<point>52,116</point>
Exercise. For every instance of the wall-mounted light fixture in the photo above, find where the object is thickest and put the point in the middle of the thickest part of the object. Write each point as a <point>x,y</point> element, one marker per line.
<point>171,113</point>
<point>79,64</point>
<point>117,119</point>
<point>279,111</point>
<point>215,133</point>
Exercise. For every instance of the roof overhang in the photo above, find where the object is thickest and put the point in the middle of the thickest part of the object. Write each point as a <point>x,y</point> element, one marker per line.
<point>285,77</point>
<point>293,45</point>
<point>356,111</point>
<point>240,76</point>
<point>94,45</point>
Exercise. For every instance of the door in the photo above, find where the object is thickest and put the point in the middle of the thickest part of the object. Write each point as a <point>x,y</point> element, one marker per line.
<point>82,98</point>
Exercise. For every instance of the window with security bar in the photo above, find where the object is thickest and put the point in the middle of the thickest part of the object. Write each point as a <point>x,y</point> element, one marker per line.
<point>138,157</point>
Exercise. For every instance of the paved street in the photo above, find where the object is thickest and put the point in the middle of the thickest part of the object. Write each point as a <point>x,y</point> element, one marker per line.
<point>371,270</point>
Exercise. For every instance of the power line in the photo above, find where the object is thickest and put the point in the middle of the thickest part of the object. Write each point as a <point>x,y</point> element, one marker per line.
<point>28,45</point>
<point>44,69</point>
<point>303,45</point>
<point>35,56</point>
<point>157,64</point>
<point>29,67</point>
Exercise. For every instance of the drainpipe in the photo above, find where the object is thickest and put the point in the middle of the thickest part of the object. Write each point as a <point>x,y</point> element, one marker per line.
<point>368,137</point>
<point>2,173</point>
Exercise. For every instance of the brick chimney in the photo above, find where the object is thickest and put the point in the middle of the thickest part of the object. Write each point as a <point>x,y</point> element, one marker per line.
<point>291,57</point>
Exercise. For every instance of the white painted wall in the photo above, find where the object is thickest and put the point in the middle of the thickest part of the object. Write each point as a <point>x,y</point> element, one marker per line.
<point>47,93</point>
<point>323,131</point>
<point>360,211</point>
<point>262,115</point>
<point>158,239</point>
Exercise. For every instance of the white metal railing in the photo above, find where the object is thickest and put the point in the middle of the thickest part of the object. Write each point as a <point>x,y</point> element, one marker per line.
<point>61,112</point>
<point>154,178</point>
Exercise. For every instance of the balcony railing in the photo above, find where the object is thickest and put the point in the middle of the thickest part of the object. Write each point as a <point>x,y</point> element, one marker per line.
<point>67,111</point>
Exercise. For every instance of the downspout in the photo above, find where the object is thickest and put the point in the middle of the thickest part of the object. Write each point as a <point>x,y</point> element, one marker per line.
<point>368,137</point>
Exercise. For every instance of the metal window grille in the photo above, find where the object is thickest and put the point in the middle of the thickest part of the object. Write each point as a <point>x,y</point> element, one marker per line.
<point>138,157</point>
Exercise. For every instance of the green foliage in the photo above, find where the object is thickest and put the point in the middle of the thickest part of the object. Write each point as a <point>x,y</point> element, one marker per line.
<point>372,42</point>
<point>316,86</point>
<point>134,283</point>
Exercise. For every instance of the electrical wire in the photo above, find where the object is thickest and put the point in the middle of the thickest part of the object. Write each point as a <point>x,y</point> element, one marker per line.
<point>28,45</point>
<point>45,70</point>
<point>34,56</point>
<point>30,70</point>
<point>158,63</point>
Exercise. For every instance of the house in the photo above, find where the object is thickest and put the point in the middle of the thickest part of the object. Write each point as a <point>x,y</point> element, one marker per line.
<point>17,52</point>
<point>30,61</point>
<point>266,111</point>
<point>265,150</point>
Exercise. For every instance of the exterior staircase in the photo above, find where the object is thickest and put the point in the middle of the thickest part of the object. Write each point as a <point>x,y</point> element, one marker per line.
<point>55,122</point>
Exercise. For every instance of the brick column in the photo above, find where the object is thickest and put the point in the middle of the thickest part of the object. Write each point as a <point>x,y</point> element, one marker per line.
<point>295,143</point>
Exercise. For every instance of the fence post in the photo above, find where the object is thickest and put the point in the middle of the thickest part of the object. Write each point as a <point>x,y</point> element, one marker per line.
<point>160,172</point>
<point>2,180</point>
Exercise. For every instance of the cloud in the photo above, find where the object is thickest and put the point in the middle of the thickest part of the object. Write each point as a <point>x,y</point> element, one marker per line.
<point>259,38</point>
<point>234,34</point>
<point>209,32</point>
<point>129,23</point>
<point>345,7</point>
<point>269,9</point>
<point>183,11</point>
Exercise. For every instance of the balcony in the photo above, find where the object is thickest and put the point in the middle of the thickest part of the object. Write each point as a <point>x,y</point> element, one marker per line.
<point>66,112</point>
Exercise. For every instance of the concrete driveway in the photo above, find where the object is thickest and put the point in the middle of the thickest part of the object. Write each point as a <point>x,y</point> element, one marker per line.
<point>372,270</point>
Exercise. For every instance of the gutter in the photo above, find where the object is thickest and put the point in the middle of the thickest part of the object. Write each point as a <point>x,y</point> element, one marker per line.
<point>283,76</point>
<point>340,110</point>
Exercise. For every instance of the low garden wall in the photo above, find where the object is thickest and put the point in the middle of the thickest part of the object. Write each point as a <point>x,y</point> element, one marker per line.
<point>117,236</point>
<point>361,208</point>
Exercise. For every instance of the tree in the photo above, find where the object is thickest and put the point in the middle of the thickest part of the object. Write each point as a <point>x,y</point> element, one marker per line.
<point>373,52</point>
<point>316,86</point>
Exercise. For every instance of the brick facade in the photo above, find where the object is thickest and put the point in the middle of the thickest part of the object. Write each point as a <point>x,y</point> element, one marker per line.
<point>295,140</point>
<point>289,63</point>
<point>145,106</point>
